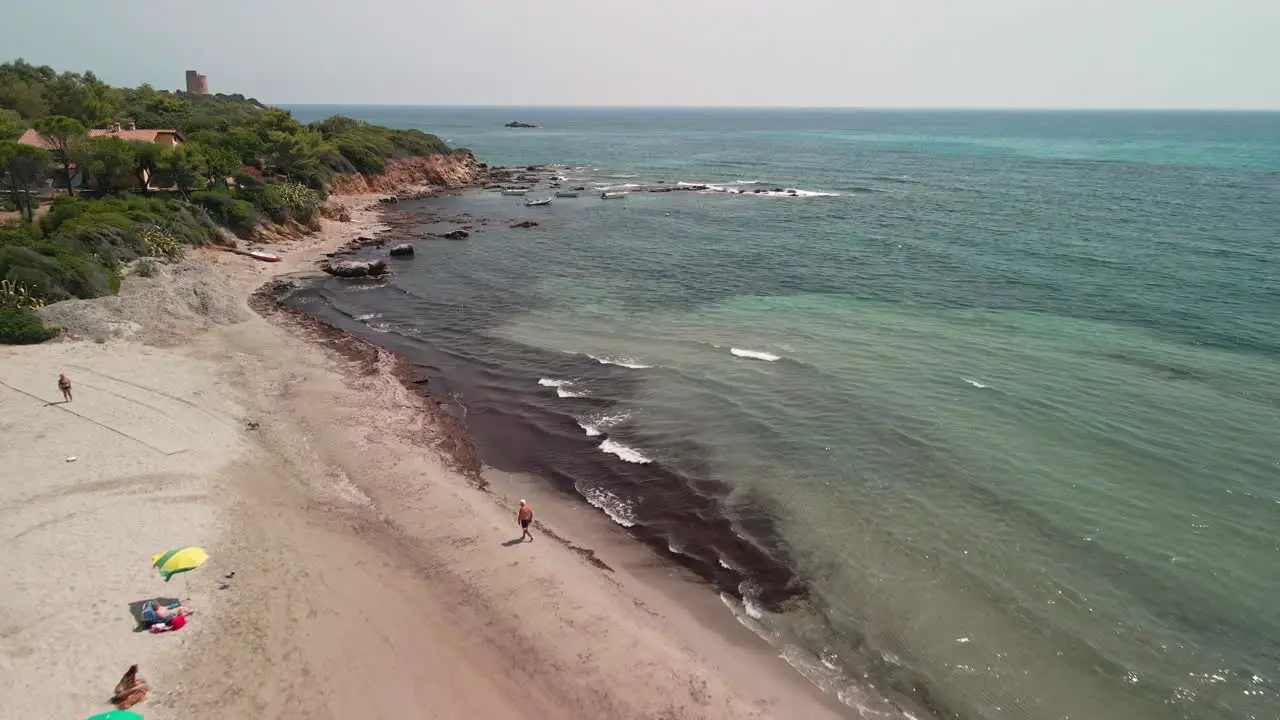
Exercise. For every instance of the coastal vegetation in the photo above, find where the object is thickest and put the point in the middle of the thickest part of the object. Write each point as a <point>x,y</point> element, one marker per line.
<point>140,172</point>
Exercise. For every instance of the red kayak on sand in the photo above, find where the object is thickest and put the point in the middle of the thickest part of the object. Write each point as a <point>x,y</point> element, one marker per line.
<point>264,256</point>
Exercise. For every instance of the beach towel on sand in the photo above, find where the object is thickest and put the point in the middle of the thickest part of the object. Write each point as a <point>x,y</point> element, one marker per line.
<point>174,624</point>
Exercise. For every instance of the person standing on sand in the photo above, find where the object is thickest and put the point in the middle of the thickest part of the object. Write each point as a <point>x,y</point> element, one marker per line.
<point>524,516</point>
<point>64,385</point>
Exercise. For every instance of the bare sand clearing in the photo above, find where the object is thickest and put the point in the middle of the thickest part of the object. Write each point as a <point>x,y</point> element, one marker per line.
<point>374,578</point>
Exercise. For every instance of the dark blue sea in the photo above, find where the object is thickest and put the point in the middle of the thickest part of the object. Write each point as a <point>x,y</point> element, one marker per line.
<point>972,414</point>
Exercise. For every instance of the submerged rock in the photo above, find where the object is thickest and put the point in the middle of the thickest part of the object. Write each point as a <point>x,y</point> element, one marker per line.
<point>403,249</point>
<point>347,268</point>
<point>525,224</point>
<point>456,235</point>
<point>356,268</point>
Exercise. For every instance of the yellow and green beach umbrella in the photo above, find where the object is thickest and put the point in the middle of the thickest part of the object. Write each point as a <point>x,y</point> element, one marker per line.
<point>178,561</point>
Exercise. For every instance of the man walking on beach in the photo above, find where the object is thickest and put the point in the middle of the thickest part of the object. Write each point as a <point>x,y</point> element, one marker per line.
<point>524,516</point>
<point>64,385</point>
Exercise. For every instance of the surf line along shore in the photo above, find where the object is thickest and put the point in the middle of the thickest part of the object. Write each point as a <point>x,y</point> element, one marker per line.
<point>372,575</point>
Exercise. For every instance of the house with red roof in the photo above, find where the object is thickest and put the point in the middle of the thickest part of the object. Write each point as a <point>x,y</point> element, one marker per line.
<point>163,137</point>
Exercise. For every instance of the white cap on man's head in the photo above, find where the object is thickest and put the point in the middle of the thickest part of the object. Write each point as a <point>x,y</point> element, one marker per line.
<point>523,502</point>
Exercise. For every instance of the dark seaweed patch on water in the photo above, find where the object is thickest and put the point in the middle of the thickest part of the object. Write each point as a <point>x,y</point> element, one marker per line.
<point>1160,369</point>
<point>519,426</point>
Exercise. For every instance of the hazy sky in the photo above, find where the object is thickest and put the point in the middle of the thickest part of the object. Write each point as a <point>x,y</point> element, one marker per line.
<point>895,53</point>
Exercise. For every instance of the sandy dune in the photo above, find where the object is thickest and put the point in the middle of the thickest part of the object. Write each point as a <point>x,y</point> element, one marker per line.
<point>372,580</point>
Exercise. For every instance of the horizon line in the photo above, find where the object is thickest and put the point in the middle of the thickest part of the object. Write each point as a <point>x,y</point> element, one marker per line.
<point>873,108</point>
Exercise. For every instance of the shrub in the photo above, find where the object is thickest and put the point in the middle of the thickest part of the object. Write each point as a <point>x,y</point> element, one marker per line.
<point>238,216</point>
<point>54,272</point>
<point>162,243</point>
<point>146,268</point>
<point>302,201</point>
<point>14,293</point>
<point>19,326</point>
<point>366,155</point>
<point>273,204</point>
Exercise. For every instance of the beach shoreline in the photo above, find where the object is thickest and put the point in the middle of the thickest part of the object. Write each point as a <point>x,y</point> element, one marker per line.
<point>372,578</point>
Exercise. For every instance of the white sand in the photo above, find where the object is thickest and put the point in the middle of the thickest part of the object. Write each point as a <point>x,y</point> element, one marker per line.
<point>371,580</point>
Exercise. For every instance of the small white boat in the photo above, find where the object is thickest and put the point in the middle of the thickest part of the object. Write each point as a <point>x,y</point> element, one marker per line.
<point>515,192</point>
<point>534,203</point>
<point>566,193</point>
<point>612,195</point>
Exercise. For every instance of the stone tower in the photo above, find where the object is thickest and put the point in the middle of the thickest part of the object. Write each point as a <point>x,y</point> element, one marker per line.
<point>197,84</point>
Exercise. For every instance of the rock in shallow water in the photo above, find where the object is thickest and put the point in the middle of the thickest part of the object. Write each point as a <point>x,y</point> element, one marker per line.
<point>357,268</point>
<point>402,250</point>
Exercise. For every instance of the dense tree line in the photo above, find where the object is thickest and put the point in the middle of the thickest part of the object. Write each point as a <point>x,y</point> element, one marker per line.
<point>241,163</point>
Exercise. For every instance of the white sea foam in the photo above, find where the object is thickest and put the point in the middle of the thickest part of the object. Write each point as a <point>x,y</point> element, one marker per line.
<point>682,183</point>
<point>620,509</point>
<point>562,387</point>
<point>620,360</point>
<point>622,186</point>
<point>380,327</point>
<point>623,452</point>
<point>734,188</point>
<point>797,192</point>
<point>810,667</point>
<point>368,316</point>
<point>975,383</point>
<point>755,354</point>
<point>596,426</point>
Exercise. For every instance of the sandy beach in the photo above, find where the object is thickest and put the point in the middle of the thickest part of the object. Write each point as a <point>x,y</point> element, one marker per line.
<point>375,573</point>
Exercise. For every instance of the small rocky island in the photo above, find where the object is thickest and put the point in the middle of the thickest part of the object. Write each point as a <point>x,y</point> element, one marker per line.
<point>518,124</point>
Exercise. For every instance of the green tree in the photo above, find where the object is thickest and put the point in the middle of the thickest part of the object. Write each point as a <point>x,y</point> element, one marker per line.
<point>110,163</point>
<point>23,168</point>
<point>146,160</point>
<point>11,125</point>
<point>186,166</point>
<point>61,133</point>
<point>220,162</point>
<point>23,96</point>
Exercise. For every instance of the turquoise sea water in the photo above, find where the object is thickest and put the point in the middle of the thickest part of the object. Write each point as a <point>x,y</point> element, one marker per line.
<point>1004,386</point>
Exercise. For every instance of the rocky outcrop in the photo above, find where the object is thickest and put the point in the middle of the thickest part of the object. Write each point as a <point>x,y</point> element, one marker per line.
<point>356,268</point>
<point>456,235</point>
<point>457,169</point>
<point>518,124</point>
<point>402,250</point>
<point>525,224</point>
